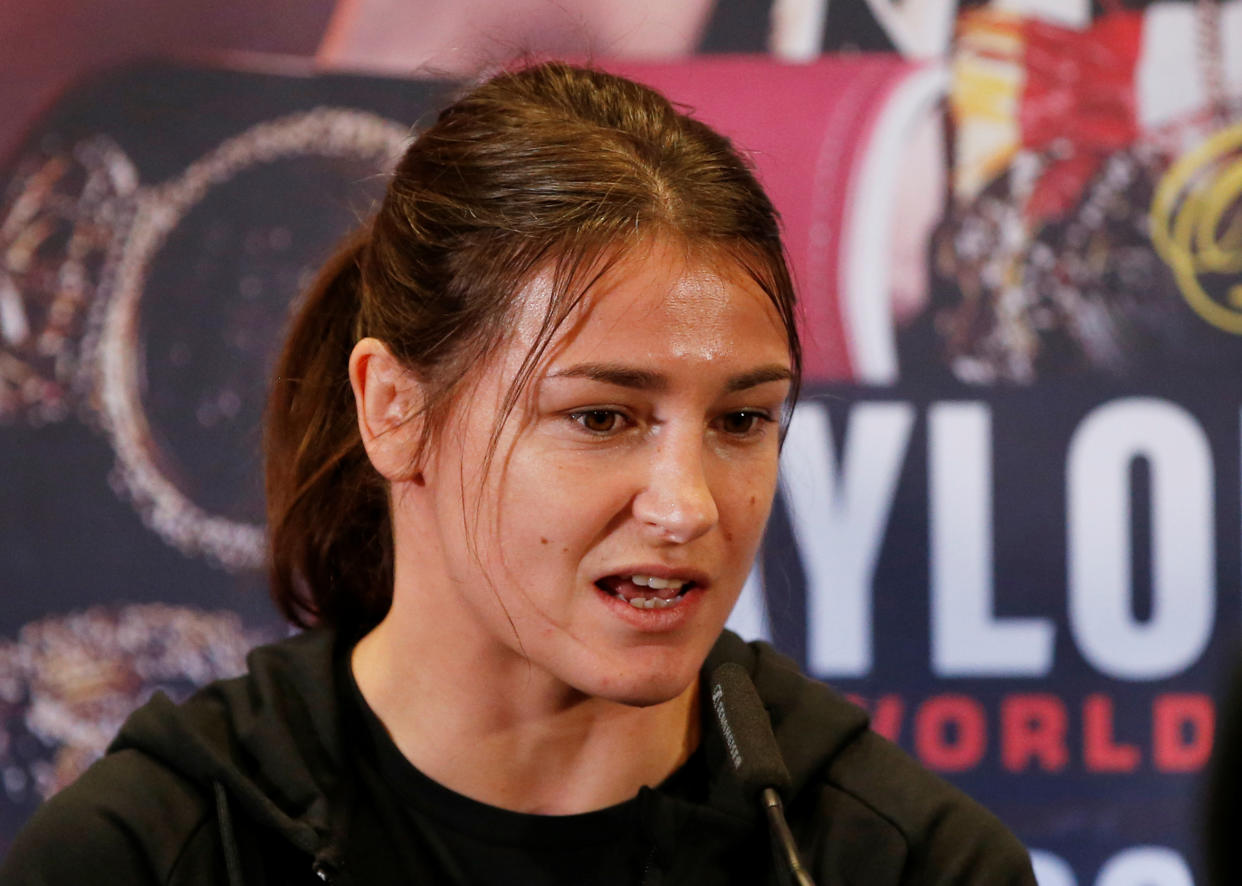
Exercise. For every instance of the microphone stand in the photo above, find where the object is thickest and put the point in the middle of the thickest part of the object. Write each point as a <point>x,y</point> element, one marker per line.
<point>783,844</point>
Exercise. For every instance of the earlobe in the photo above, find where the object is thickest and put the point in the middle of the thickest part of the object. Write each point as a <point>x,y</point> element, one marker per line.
<point>388,398</point>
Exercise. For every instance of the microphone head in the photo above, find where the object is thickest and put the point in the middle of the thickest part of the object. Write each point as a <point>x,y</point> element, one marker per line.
<point>747,731</point>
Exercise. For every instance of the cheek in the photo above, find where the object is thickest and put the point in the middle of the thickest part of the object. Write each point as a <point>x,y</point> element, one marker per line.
<point>550,506</point>
<point>744,514</point>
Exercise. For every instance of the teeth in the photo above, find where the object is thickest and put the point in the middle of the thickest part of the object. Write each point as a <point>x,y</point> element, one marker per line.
<point>657,584</point>
<point>652,602</point>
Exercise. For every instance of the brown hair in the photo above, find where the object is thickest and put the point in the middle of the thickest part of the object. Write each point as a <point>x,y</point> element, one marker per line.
<point>551,167</point>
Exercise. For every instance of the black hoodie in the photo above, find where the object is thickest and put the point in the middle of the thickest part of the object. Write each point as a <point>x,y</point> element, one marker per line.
<point>243,785</point>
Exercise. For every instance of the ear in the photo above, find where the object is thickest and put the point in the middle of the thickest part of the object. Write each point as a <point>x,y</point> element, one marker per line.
<point>388,398</point>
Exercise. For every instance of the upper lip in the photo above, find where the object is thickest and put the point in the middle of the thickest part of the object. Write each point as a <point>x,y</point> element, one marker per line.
<point>684,574</point>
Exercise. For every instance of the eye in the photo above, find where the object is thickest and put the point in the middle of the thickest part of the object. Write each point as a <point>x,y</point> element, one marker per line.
<point>598,421</point>
<point>742,423</point>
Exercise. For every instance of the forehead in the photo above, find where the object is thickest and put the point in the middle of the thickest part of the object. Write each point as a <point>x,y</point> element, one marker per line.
<point>661,296</point>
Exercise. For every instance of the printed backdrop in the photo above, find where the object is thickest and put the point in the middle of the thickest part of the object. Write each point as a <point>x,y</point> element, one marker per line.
<point>1009,522</point>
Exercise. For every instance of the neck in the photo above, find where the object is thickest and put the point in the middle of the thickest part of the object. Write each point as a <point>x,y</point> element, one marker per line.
<point>489,725</point>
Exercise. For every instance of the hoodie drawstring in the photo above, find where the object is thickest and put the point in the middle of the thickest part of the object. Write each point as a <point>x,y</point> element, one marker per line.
<point>228,839</point>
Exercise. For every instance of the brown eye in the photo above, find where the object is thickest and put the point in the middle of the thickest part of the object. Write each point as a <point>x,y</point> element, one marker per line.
<point>740,423</point>
<point>598,421</point>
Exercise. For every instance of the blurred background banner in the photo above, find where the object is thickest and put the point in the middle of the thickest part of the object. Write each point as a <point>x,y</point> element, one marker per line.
<point>1010,521</point>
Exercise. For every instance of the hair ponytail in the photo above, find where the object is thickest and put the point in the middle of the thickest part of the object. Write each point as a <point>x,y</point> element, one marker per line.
<point>327,507</point>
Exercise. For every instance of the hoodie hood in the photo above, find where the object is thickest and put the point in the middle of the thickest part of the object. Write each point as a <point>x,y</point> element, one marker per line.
<point>272,741</point>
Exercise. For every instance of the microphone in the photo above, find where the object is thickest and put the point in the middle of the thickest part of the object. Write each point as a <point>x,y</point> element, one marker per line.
<point>756,759</point>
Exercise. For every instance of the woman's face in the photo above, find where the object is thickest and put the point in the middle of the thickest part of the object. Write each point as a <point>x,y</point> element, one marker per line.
<point>609,538</point>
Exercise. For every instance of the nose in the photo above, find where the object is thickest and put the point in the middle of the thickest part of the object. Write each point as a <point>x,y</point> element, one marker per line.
<point>676,504</point>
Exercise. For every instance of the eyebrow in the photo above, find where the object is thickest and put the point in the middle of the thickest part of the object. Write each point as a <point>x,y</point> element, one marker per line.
<point>645,380</point>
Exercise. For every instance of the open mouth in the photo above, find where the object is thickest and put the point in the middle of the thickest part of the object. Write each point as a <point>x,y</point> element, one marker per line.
<point>646,591</point>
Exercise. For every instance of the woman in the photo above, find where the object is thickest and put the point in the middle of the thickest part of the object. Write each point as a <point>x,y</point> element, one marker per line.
<point>523,442</point>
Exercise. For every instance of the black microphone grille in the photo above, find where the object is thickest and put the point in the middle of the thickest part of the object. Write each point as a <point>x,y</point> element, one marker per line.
<point>746,730</point>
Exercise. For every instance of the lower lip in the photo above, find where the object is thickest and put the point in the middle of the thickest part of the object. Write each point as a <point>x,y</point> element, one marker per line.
<point>653,620</point>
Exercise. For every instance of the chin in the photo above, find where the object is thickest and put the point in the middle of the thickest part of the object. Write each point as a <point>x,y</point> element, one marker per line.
<point>646,697</point>
<point>643,686</point>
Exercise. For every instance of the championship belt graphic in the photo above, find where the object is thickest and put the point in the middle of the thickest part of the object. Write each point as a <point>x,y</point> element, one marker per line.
<point>94,316</point>
<point>68,682</point>
<point>1077,236</point>
<point>1196,226</point>
<point>61,214</point>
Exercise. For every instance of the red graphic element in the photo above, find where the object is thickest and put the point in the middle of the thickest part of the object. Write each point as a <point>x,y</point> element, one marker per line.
<point>1100,750</point>
<point>950,733</point>
<point>1182,727</point>
<point>886,718</point>
<point>1079,103</point>
<point>1033,730</point>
